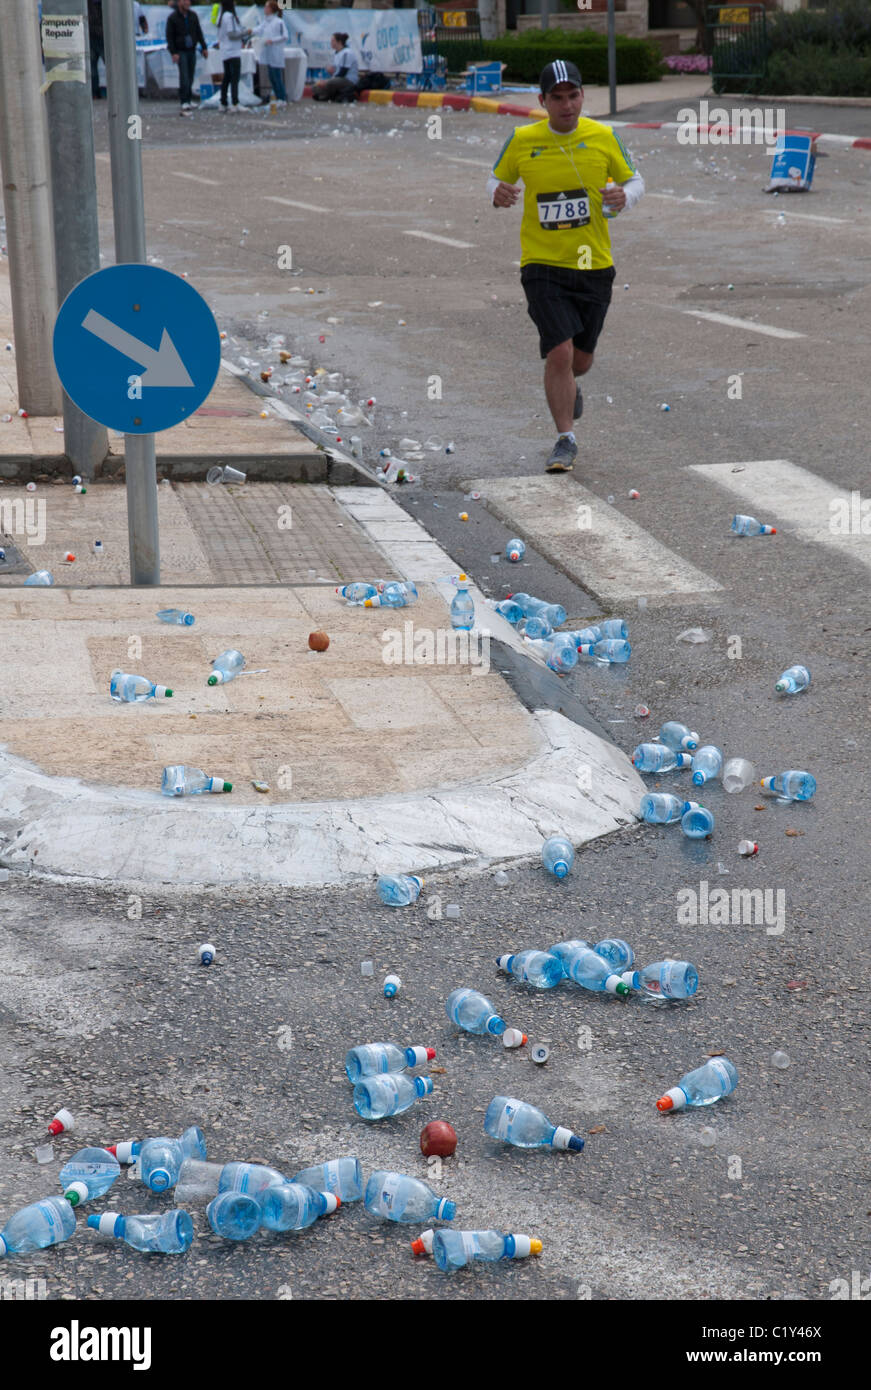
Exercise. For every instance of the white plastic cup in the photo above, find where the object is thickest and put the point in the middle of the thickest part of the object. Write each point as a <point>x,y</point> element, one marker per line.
<point>224,475</point>
<point>738,775</point>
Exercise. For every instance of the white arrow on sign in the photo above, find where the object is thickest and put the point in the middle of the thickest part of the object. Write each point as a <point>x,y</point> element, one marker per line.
<point>163,366</point>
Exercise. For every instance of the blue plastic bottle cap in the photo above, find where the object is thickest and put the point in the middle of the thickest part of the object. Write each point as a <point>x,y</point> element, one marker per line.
<point>539,1053</point>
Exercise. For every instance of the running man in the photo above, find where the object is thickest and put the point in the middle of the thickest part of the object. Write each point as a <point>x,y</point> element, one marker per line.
<point>570,166</point>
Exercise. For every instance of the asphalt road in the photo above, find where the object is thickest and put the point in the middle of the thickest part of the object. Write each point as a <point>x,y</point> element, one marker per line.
<point>113,1017</point>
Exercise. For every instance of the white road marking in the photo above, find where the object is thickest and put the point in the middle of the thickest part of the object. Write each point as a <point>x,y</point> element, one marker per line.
<point>444,240</point>
<point>595,544</point>
<point>747,324</point>
<point>292,203</point>
<point>808,217</point>
<point>690,198</point>
<point>194,178</point>
<point>795,500</point>
<point>458,159</point>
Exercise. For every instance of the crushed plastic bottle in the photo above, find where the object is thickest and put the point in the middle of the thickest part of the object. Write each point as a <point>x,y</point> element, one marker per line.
<point>454,1249</point>
<point>179,780</point>
<point>515,1122</point>
<point>661,808</point>
<point>738,774</point>
<point>398,890</point>
<point>88,1174</point>
<point>562,655</point>
<point>791,786</point>
<point>160,1233</point>
<point>664,979</point>
<point>234,1216</point>
<point>473,1013</point>
<point>793,680</point>
<point>510,610</point>
<point>160,1159</point>
<point>392,986</point>
<point>375,1059</point>
<point>393,595</point>
<point>226,667</point>
<point>174,615</point>
<point>557,855</point>
<point>398,1197</point>
<point>343,1177</point>
<point>697,822</point>
<point>358,591</point>
<point>515,550</point>
<point>135,689</point>
<point>536,968</point>
<point>588,969</point>
<point>678,737</point>
<point>749,526</point>
<point>463,607</point>
<point>614,628</point>
<point>291,1206</point>
<point>40,577</point>
<point>717,1078</point>
<point>707,764</point>
<point>616,952</point>
<point>376,1097</point>
<point>35,1227</point>
<point>658,757</point>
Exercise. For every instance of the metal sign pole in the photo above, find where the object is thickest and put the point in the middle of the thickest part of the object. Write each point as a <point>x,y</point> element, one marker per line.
<point>125,150</point>
<point>612,59</point>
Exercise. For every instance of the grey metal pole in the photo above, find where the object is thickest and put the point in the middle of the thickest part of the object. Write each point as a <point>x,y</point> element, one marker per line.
<point>545,14</point>
<point>612,59</point>
<point>128,202</point>
<point>76,226</point>
<point>24,165</point>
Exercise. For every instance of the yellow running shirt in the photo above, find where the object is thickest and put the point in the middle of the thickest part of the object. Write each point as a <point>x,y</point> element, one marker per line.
<point>562,205</point>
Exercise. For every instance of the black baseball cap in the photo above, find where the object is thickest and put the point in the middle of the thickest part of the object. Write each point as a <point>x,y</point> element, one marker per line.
<point>559,71</point>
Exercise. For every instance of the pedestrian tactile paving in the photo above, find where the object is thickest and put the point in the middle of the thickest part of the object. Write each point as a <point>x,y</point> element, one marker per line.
<point>279,533</point>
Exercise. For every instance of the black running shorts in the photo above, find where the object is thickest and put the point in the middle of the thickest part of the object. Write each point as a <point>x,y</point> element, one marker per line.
<point>565,303</point>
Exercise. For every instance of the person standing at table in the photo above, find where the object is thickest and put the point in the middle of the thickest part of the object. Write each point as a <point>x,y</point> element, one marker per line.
<point>271,29</point>
<point>184,36</point>
<point>231,36</point>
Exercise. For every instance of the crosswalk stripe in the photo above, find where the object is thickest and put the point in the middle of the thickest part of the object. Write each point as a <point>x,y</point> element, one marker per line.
<point>748,325</point>
<point>798,502</point>
<point>604,551</point>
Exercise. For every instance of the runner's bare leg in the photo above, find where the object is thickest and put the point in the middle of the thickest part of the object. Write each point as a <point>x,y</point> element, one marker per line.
<point>559,384</point>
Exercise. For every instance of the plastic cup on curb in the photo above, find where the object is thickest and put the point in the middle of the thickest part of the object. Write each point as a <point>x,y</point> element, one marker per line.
<point>738,774</point>
<point>500,878</point>
<point>224,475</point>
<point>44,1153</point>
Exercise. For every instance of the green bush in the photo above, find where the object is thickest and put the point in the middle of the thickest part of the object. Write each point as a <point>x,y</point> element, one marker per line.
<point>809,70</point>
<point>842,25</point>
<point>527,54</point>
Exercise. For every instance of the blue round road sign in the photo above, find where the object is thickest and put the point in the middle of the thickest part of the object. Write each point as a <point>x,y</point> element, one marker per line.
<point>136,348</point>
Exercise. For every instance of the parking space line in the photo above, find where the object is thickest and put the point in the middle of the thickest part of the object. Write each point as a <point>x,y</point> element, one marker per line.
<point>445,240</point>
<point>746,324</point>
<point>292,203</point>
<point>194,178</point>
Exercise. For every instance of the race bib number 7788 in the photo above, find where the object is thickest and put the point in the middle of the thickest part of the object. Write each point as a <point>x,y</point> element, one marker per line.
<point>557,211</point>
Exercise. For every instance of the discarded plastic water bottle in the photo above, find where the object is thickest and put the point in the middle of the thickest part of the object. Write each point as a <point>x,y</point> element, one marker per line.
<point>40,577</point>
<point>661,808</point>
<point>33,1228</point>
<point>135,689</point>
<point>375,1059</point>
<point>716,1078</point>
<point>562,949</point>
<point>177,616</point>
<point>233,1215</point>
<point>510,610</point>
<point>248,1178</point>
<point>535,626</point>
<point>160,1159</point>
<point>589,970</point>
<point>398,890</point>
<point>615,952</point>
<point>613,649</point>
<point>341,1176</point>
<point>678,737</point>
<point>791,786</point>
<point>525,1126</point>
<point>89,1173</point>
<point>613,627</point>
<point>226,667</point>
<point>793,680</point>
<point>534,968</point>
<point>586,634</point>
<point>749,526</point>
<point>697,822</point>
<point>563,654</point>
<point>738,775</point>
<point>290,1206</point>
<point>393,595</point>
<point>658,757</point>
<point>401,1198</point>
<point>454,1249</point>
<point>557,855</point>
<point>190,781</point>
<point>665,979</point>
<point>473,1013</point>
<point>376,1097</point>
<point>707,764</point>
<point>554,612</point>
<point>392,986</point>
<point>463,607</point>
<point>358,591</point>
<point>161,1233</point>
<point>62,1121</point>
<point>523,601</point>
<point>515,550</point>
